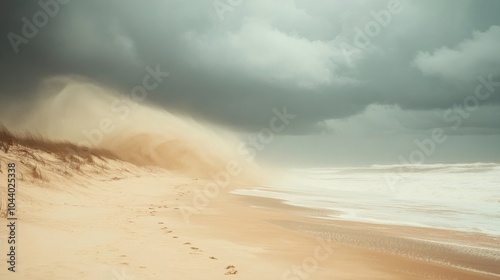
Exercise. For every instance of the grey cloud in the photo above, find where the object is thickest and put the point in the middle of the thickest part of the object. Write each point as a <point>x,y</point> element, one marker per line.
<point>262,55</point>
<point>471,58</point>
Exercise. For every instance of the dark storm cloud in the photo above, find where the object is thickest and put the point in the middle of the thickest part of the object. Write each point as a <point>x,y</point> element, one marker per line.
<point>306,55</point>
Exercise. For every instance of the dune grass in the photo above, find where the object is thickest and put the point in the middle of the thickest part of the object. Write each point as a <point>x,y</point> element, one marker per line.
<point>64,150</point>
<point>25,146</point>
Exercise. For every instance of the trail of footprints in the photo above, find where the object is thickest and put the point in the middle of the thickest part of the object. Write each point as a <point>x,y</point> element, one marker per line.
<point>185,192</point>
<point>152,210</point>
<point>230,269</point>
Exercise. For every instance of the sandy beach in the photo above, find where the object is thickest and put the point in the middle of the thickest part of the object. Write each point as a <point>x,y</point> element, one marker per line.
<point>233,139</point>
<point>114,220</point>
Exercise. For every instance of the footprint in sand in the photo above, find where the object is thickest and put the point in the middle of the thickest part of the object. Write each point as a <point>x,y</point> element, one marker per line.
<point>166,230</point>
<point>231,270</point>
<point>196,251</point>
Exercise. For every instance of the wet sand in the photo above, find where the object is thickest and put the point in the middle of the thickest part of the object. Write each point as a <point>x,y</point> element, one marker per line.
<point>395,252</point>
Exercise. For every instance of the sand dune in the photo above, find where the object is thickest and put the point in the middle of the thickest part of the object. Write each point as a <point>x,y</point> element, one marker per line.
<point>79,111</point>
<point>99,217</point>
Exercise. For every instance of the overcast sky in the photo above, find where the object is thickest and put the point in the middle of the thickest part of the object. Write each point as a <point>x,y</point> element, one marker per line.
<point>365,79</point>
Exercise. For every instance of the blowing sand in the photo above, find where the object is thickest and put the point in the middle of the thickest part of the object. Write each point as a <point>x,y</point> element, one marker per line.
<point>114,220</point>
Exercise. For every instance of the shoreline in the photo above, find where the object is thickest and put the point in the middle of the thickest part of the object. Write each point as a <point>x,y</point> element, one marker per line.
<point>434,251</point>
<point>129,221</point>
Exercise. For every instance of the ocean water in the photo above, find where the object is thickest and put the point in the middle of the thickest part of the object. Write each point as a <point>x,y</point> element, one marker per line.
<point>461,197</point>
